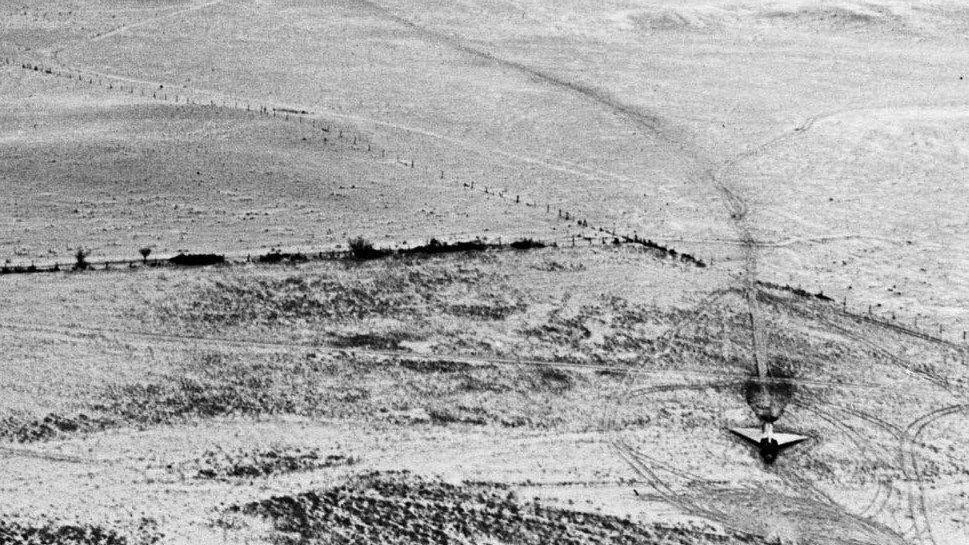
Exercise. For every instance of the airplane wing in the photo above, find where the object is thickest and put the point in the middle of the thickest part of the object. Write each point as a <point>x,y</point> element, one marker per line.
<point>751,434</point>
<point>789,439</point>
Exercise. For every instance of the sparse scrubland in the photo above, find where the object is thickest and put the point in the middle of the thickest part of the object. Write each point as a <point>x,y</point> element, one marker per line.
<point>394,347</point>
<point>569,394</point>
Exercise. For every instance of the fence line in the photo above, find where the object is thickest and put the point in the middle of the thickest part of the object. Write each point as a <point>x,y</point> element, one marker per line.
<point>298,116</point>
<point>333,252</point>
<point>325,128</point>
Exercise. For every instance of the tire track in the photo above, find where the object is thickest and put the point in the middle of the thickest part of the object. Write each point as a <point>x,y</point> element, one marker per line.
<point>913,433</point>
<point>646,121</point>
<point>899,362</point>
<point>735,205</point>
<point>14,452</point>
<point>915,506</point>
<point>148,21</point>
<point>98,334</point>
<point>884,490</point>
<point>545,162</point>
<point>95,334</point>
<point>906,439</point>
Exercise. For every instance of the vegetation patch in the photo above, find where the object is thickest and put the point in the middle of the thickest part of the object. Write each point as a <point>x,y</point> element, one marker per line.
<point>527,244</point>
<point>402,508</point>
<point>361,248</point>
<point>278,256</point>
<point>437,247</point>
<point>218,464</point>
<point>460,415</point>
<point>197,260</point>
<point>215,384</point>
<point>796,291</point>
<point>402,293</point>
<point>390,340</point>
<point>52,533</point>
<point>664,251</point>
<point>435,366</point>
<point>48,427</point>
<point>553,379</point>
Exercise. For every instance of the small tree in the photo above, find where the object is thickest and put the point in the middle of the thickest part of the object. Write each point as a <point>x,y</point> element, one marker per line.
<point>361,248</point>
<point>145,252</point>
<point>80,259</point>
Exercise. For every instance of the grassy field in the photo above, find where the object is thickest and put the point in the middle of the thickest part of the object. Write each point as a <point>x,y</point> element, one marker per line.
<point>427,353</point>
<point>256,403</point>
<point>629,115</point>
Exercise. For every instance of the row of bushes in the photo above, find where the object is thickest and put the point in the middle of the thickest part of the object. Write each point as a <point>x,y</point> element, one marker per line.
<point>796,291</point>
<point>82,264</point>
<point>360,249</point>
<point>664,250</point>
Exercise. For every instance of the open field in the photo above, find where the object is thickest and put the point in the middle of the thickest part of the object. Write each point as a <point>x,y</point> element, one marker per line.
<point>546,387</point>
<point>569,394</point>
<point>840,88</point>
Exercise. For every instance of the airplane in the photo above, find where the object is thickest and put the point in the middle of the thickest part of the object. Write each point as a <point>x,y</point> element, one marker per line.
<point>769,444</point>
<point>768,398</point>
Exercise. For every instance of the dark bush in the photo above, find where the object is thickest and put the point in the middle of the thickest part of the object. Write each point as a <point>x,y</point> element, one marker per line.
<point>527,244</point>
<point>437,247</point>
<point>80,260</point>
<point>279,257</point>
<point>197,260</point>
<point>363,249</point>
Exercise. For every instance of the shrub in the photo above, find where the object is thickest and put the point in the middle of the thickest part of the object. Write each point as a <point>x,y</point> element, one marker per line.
<point>80,259</point>
<point>197,260</point>
<point>527,244</point>
<point>363,249</point>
